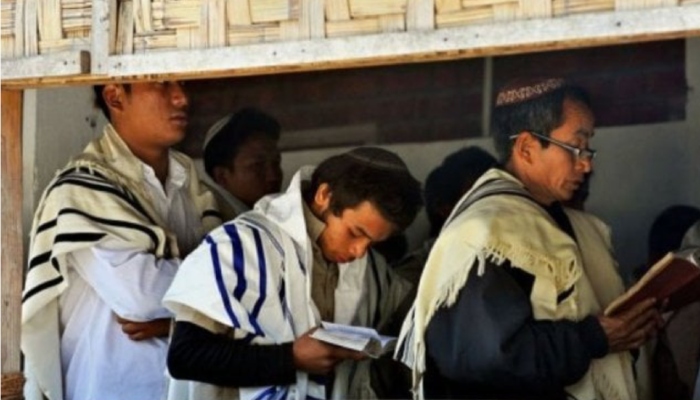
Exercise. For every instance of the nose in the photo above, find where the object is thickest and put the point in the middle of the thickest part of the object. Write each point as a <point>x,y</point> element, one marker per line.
<point>359,248</point>
<point>274,172</point>
<point>586,163</point>
<point>178,95</point>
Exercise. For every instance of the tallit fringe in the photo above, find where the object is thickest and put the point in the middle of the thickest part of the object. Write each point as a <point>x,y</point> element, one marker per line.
<point>497,253</point>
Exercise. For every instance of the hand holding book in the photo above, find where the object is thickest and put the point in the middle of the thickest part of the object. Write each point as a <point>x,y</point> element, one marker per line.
<point>675,277</point>
<point>357,338</point>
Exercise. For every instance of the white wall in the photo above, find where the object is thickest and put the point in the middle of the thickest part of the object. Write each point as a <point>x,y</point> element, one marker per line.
<point>639,171</point>
<point>57,124</point>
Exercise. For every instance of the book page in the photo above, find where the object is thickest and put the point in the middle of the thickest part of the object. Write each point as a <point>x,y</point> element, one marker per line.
<point>356,338</point>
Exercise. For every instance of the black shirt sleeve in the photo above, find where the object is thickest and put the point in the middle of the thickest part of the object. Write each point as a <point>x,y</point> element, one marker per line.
<point>197,354</point>
<point>490,339</point>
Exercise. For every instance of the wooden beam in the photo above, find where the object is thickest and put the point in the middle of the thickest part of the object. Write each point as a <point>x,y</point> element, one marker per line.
<point>12,267</point>
<point>62,64</point>
<point>522,36</point>
<point>103,34</point>
<point>473,41</point>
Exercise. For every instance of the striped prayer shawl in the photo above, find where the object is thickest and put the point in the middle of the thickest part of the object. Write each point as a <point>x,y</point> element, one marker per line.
<point>252,276</point>
<point>88,202</point>
<point>488,224</point>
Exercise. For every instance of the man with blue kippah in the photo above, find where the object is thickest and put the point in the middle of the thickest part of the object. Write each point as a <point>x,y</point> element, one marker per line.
<point>510,302</point>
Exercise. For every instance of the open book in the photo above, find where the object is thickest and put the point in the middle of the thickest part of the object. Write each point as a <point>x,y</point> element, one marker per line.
<point>675,277</point>
<point>358,338</point>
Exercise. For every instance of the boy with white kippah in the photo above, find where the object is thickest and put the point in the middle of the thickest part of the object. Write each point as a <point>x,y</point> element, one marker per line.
<point>242,161</point>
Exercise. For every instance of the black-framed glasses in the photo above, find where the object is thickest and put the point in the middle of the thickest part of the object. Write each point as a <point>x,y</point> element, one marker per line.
<point>579,154</point>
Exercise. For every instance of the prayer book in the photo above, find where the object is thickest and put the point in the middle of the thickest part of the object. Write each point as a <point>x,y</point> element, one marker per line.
<point>675,277</point>
<point>358,338</point>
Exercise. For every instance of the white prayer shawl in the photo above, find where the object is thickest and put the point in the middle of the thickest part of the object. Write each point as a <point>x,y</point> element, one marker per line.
<point>493,230</point>
<point>229,205</point>
<point>253,274</point>
<point>98,196</point>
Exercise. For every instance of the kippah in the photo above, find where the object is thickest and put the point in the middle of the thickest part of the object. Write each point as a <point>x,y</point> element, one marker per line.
<point>527,89</point>
<point>215,129</point>
<point>376,157</point>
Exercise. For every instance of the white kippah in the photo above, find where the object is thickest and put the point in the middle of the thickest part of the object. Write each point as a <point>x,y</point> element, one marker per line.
<point>215,129</point>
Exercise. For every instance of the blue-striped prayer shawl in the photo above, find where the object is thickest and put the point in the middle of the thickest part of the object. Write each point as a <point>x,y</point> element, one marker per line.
<point>253,274</point>
<point>87,202</point>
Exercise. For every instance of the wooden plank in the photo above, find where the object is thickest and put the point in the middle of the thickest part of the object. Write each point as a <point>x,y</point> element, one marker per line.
<point>392,23</point>
<point>12,386</point>
<point>29,23</point>
<point>125,29</point>
<point>482,3</point>
<point>49,13</point>
<point>19,29</point>
<point>467,16</point>
<point>420,15</point>
<point>269,10</point>
<point>312,18</point>
<point>337,10</point>
<point>373,8</point>
<point>535,8</point>
<point>442,6</point>
<point>101,34</point>
<point>60,64</point>
<point>493,39</point>
<point>505,12</point>
<point>238,13</point>
<point>216,12</point>
<point>352,27</point>
<point>12,266</point>
<point>567,32</point>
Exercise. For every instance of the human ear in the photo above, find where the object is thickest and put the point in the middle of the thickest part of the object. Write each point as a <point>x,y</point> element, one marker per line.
<point>220,175</point>
<point>523,147</point>
<point>322,198</point>
<point>113,96</point>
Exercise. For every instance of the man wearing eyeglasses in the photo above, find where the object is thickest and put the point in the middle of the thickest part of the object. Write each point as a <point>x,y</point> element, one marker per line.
<point>510,302</point>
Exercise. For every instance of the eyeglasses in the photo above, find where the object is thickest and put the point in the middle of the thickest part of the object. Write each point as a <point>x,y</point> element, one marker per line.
<point>579,154</point>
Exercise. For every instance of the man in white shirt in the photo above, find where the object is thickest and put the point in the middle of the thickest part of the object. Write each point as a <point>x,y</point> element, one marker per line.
<point>106,241</point>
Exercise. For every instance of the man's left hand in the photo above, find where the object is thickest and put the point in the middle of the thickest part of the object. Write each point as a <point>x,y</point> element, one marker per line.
<point>145,330</point>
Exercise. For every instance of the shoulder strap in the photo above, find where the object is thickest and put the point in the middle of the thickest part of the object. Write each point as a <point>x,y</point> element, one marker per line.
<point>489,188</point>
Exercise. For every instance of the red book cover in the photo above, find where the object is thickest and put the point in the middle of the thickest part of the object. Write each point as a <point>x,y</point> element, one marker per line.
<point>675,277</point>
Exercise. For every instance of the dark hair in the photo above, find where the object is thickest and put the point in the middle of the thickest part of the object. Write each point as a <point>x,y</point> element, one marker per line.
<point>447,183</point>
<point>370,174</point>
<point>542,114</point>
<point>224,144</point>
<point>668,229</point>
<point>100,100</point>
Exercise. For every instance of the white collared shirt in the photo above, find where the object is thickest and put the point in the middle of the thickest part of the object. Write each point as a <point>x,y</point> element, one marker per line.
<point>98,359</point>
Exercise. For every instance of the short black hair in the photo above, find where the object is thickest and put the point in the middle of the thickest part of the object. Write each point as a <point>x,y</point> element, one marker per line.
<point>224,144</point>
<point>542,114</point>
<point>446,184</point>
<point>669,227</point>
<point>370,174</point>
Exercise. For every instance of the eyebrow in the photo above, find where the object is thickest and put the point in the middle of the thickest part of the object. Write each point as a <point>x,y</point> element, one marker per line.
<point>586,133</point>
<point>365,234</point>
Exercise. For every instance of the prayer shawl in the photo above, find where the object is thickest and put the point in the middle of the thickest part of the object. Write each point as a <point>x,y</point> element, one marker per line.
<point>229,205</point>
<point>253,277</point>
<point>510,226</point>
<point>98,196</point>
